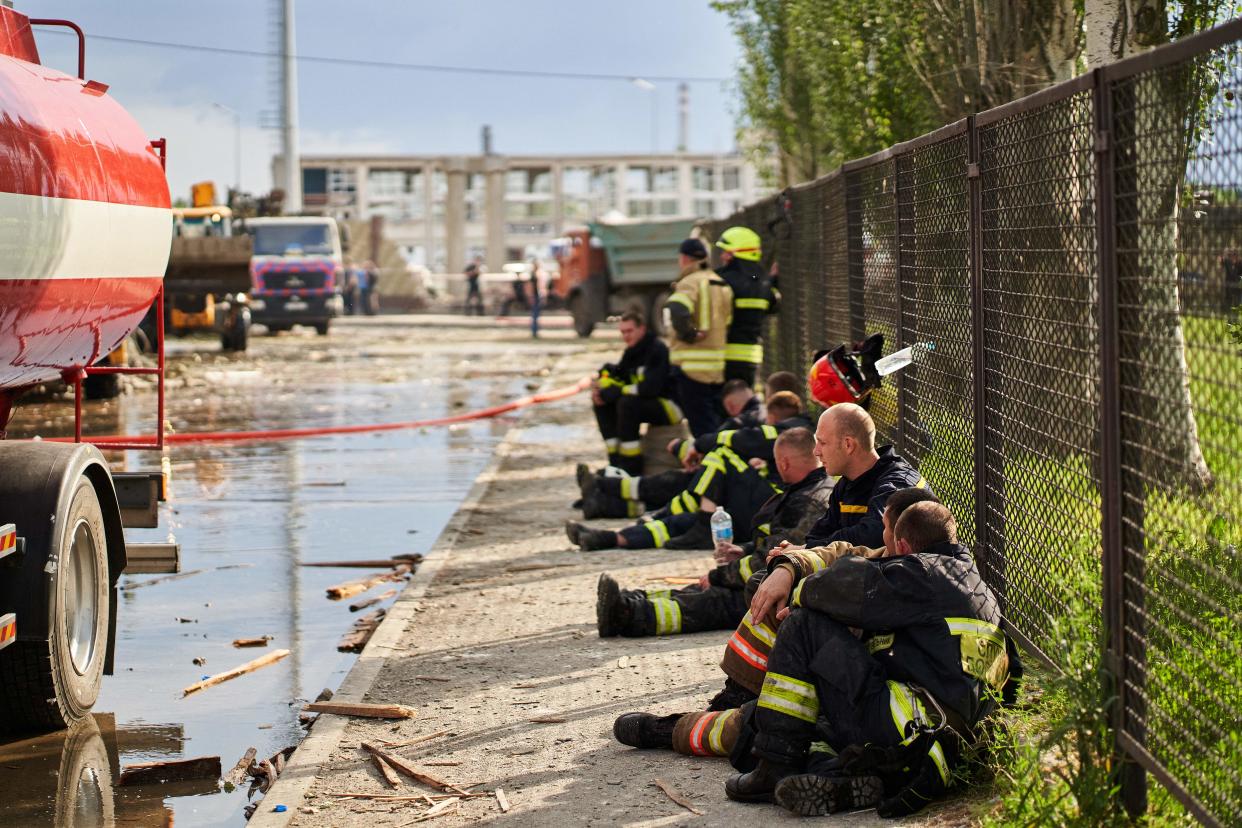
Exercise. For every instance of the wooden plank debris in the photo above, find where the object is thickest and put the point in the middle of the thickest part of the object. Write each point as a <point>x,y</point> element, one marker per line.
<point>371,563</point>
<point>177,770</point>
<point>547,720</point>
<point>419,740</point>
<point>402,766</point>
<point>675,795</point>
<point>260,641</point>
<point>502,801</point>
<point>248,667</point>
<point>370,602</point>
<point>351,588</point>
<point>433,678</point>
<point>360,633</point>
<point>366,710</point>
<point>238,774</point>
<point>386,771</point>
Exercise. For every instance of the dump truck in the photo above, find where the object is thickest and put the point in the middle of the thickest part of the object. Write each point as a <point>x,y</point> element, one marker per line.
<point>608,268</point>
<point>207,284</point>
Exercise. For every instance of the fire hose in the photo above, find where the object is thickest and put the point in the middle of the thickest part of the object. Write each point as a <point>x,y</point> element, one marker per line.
<point>324,431</point>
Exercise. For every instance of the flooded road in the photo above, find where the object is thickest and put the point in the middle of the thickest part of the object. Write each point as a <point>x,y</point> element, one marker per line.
<point>247,517</point>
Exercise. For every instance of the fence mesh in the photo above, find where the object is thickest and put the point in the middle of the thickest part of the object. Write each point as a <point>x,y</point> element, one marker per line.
<point>998,243</point>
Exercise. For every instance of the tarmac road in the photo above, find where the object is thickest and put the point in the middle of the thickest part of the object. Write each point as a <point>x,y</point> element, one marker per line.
<point>247,516</point>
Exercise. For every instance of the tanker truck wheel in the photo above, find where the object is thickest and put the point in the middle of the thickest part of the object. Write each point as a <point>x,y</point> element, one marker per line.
<point>53,683</point>
<point>84,795</point>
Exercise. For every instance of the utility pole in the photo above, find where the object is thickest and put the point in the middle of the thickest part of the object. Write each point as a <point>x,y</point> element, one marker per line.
<point>289,109</point>
<point>683,116</point>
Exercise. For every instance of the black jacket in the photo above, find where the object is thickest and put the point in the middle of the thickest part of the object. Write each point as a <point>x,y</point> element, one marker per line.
<point>753,299</point>
<point>643,371</point>
<point>752,441</point>
<point>785,517</point>
<point>750,415</point>
<point>928,618</point>
<point>856,510</point>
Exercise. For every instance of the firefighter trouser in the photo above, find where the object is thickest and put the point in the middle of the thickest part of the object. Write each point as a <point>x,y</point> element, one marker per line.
<point>619,424</point>
<point>655,490</point>
<point>701,402</point>
<point>654,534</point>
<point>741,370</point>
<point>822,683</point>
<point>690,609</point>
<point>710,480</point>
<point>713,733</point>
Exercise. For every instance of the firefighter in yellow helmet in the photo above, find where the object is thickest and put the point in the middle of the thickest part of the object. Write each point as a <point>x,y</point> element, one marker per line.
<point>754,297</point>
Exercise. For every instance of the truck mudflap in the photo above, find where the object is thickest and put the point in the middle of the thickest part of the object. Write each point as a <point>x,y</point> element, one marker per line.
<point>8,540</point>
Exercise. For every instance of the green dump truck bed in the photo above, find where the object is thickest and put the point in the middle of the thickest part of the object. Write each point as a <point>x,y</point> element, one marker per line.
<point>642,253</point>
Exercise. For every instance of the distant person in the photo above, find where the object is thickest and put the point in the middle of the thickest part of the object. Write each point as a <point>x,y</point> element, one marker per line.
<point>362,279</point>
<point>536,297</point>
<point>519,294</point>
<point>754,298</point>
<point>369,296</point>
<point>1231,266</point>
<point>350,292</point>
<point>699,311</point>
<point>474,296</point>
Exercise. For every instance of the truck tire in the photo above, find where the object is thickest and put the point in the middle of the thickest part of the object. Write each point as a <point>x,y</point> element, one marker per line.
<point>321,328</point>
<point>236,334</point>
<point>580,308</point>
<point>101,386</point>
<point>655,311</point>
<point>50,684</point>
<point>83,780</point>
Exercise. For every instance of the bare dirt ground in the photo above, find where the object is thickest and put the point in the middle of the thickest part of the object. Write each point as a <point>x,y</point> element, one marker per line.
<point>498,629</point>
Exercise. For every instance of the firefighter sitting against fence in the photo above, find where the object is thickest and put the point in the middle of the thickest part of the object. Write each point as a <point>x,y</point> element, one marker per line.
<point>636,390</point>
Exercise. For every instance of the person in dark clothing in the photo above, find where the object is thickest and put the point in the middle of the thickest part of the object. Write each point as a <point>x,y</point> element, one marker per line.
<point>634,391</point>
<point>1231,269</point>
<point>719,601</point>
<point>519,298</point>
<point>753,299</point>
<point>536,297</point>
<point>474,295</point>
<point>894,705</point>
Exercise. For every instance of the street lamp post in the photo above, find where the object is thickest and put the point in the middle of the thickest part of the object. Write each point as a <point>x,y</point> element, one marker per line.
<point>237,147</point>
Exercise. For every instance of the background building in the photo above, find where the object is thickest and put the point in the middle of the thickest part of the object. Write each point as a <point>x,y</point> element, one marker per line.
<point>442,210</point>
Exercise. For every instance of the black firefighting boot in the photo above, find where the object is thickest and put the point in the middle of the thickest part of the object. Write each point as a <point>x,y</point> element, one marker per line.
<point>698,536</point>
<point>732,696</point>
<point>586,479</point>
<point>644,730</point>
<point>809,794</point>
<point>759,784</point>
<point>617,612</point>
<point>588,539</point>
<point>599,505</point>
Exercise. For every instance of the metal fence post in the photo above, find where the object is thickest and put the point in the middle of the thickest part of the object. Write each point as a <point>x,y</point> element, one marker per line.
<point>974,189</point>
<point>901,220</point>
<point>1131,777</point>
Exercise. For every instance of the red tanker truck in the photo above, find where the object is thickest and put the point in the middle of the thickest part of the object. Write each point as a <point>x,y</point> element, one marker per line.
<point>85,228</point>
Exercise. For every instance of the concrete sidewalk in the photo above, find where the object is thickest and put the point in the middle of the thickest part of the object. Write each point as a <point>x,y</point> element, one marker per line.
<point>497,629</point>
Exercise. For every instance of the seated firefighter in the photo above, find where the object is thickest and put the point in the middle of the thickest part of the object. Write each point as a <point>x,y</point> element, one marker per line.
<point>891,707</point>
<point>715,731</point>
<point>636,390</point>
<point>679,490</point>
<point>720,601</point>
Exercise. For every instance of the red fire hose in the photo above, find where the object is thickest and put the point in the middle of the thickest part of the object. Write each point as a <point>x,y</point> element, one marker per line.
<point>300,433</point>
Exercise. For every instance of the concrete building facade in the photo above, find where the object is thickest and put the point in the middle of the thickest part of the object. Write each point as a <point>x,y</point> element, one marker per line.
<point>443,210</point>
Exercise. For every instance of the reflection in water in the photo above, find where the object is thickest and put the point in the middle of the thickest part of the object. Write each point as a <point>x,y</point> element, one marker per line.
<point>247,516</point>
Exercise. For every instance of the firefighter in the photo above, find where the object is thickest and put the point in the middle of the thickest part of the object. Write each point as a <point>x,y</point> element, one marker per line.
<point>867,478</point>
<point>742,492</point>
<point>719,601</point>
<point>676,492</point>
<point>898,702</point>
<point>636,390</point>
<point>699,313</point>
<point>753,299</point>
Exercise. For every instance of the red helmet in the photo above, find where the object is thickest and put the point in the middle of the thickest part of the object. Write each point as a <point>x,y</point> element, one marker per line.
<point>837,377</point>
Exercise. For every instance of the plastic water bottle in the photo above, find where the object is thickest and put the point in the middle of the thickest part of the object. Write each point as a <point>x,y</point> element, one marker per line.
<point>900,359</point>
<point>722,526</point>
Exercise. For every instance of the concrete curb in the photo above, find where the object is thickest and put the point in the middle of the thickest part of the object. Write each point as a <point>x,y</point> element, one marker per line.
<point>325,737</point>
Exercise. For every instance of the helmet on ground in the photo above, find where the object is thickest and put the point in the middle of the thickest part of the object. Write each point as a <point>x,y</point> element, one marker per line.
<point>741,242</point>
<point>838,375</point>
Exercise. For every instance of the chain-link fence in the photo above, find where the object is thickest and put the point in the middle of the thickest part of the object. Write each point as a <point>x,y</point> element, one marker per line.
<point>1073,259</point>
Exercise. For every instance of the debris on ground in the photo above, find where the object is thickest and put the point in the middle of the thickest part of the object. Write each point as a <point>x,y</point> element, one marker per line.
<point>238,774</point>
<point>241,670</point>
<point>673,794</point>
<point>174,770</point>
<point>356,639</point>
<point>365,709</point>
<point>370,602</point>
<point>351,588</point>
<point>260,641</point>
<point>411,560</point>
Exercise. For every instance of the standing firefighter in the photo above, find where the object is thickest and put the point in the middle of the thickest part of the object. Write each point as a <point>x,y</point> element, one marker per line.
<point>754,298</point>
<point>632,392</point>
<point>699,313</point>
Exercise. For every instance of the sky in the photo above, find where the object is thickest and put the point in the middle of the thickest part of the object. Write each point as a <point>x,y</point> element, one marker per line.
<point>174,93</point>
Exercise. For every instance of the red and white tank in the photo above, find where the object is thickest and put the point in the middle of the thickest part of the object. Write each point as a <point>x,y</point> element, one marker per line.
<point>85,224</point>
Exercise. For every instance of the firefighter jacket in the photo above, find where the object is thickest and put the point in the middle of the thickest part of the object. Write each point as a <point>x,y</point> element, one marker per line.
<point>928,618</point>
<point>753,299</point>
<point>643,372</point>
<point>785,517</point>
<point>701,302</point>
<point>752,441</point>
<point>856,511</point>
<point>750,415</point>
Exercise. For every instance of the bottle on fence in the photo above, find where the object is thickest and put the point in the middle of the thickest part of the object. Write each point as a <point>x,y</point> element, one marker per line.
<point>722,526</point>
<point>900,359</point>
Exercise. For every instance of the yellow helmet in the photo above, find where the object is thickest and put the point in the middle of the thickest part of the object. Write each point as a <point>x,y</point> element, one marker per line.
<point>741,242</point>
